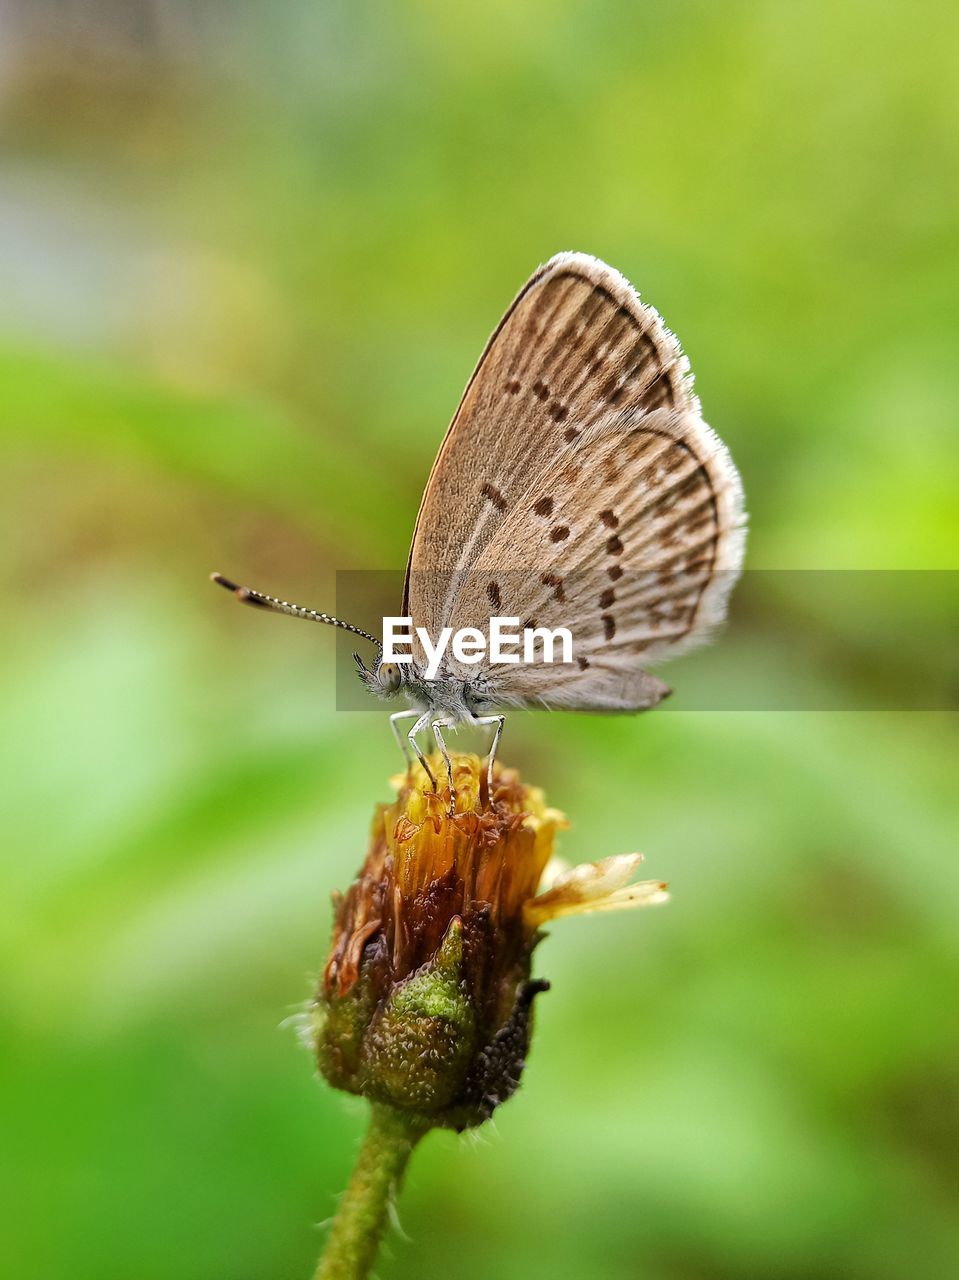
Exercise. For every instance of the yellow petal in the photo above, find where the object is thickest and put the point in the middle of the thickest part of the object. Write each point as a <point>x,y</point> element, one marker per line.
<point>596,886</point>
<point>556,869</point>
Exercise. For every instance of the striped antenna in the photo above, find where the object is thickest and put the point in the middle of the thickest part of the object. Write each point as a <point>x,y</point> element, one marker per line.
<point>259,600</point>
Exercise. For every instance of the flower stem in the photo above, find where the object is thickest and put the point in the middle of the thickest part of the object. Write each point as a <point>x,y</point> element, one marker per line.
<point>358,1226</point>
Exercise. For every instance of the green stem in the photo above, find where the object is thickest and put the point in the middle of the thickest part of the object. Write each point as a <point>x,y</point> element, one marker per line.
<point>358,1226</point>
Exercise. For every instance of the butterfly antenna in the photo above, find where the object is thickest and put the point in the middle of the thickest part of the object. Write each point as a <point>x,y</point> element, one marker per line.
<point>259,600</point>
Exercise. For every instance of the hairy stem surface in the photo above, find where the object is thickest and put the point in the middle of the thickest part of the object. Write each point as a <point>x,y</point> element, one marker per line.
<point>354,1238</point>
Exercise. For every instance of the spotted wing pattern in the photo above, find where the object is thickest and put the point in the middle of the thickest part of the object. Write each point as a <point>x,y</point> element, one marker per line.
<point>575,343</point>
<point>578,486</point>
<point>632,539</point>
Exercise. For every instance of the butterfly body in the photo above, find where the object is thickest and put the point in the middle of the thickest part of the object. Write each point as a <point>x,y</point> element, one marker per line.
<point>444,695</point>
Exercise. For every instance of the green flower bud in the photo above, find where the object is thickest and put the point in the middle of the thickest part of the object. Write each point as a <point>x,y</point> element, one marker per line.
<point>425,1003</point>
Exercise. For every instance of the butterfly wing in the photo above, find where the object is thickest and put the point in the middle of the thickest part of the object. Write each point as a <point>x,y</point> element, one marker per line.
<point>632,538</point>
<point>578,486</point>
<point>575,343</point>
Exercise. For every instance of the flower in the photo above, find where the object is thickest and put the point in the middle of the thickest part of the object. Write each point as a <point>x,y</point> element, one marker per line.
<point>425,1002</point>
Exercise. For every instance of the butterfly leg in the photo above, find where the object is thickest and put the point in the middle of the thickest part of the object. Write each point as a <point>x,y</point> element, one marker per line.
<point>499,721</point>
<point>437,727</point>
<point>420,725</point>
<point>402,715</point>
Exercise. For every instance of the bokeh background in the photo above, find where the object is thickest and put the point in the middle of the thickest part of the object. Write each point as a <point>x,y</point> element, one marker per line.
<point>250,253</point>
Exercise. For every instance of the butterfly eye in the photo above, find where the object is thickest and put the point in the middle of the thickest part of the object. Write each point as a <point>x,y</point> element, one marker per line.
<point>389,676</point>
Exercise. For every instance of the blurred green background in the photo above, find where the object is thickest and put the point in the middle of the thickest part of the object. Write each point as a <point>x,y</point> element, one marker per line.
<point>250,254</point>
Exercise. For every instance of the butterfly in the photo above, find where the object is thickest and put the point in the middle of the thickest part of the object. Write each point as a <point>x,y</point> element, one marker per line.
<point>577,486</point>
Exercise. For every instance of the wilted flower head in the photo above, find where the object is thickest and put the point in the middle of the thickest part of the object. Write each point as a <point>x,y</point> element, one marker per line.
<point>426,998</point>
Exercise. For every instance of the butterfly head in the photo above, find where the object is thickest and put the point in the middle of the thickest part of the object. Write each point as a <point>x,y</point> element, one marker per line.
<point>384,679</point>
<point>389,677</point>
